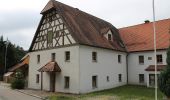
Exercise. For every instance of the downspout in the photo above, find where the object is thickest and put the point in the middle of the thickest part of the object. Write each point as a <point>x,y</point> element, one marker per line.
<point>127,68</point>
<point>79,66</point>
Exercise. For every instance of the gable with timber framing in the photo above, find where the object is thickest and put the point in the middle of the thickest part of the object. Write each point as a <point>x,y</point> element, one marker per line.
<point>51,33</point>
<point>62,25</point>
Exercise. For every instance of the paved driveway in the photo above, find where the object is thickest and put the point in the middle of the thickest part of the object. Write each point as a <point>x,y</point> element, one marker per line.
<point>8,94</point>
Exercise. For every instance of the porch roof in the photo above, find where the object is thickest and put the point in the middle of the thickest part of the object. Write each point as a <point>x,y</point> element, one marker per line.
<point>152,67</point>
<point>51,66</point>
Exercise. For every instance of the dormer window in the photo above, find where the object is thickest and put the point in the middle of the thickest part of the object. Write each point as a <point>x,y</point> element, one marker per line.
<point>109,37</point>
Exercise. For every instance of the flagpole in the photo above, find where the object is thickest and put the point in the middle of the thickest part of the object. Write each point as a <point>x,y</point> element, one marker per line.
<point>154,30</point>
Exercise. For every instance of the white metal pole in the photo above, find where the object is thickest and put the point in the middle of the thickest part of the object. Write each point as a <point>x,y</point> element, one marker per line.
<point>154,30</point>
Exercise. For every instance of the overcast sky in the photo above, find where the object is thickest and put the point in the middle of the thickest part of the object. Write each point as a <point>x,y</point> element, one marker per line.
<point>19,18</point>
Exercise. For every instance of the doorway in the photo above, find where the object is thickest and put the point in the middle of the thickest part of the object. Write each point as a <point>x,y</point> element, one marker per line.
<point>52,81</point>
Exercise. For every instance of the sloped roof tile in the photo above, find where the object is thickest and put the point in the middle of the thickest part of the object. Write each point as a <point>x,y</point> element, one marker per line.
<point>85,28</point>
<point>140,37</point>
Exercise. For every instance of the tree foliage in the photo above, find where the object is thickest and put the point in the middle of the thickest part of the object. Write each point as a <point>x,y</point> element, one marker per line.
<point>164,78</point>
<point>14,54</point>
<point>18,81</point>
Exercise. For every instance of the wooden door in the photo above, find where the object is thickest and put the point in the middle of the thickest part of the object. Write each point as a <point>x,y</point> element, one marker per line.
<point>52,82</point>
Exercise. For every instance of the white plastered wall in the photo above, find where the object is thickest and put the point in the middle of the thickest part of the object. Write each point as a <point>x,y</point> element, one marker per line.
<point>106,65</point>
<point>134,68</point>
<point>70,69</point>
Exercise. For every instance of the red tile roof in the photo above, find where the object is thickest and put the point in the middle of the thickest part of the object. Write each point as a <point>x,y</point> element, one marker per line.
<point>50,67</point>
<point>152,67</point>
<point>140,37</point>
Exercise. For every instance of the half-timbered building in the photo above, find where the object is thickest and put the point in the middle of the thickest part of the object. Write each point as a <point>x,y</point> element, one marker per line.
<point>75,52</point>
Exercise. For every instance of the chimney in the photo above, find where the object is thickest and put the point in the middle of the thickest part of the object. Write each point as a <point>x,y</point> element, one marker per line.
<point>147,21</point>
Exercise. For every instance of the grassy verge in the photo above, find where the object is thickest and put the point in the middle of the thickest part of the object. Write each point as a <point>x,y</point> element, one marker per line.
<point>127,92</point>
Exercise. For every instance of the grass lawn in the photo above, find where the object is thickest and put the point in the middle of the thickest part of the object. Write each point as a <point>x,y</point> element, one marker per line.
<point>128,92</point>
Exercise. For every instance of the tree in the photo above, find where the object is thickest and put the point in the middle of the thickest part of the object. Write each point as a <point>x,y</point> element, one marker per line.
<point>18,82</point>
<point>14,55</point>
<point>164,78</point>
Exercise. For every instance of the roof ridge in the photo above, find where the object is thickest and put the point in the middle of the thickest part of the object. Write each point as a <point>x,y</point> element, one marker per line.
<point>144,23</point>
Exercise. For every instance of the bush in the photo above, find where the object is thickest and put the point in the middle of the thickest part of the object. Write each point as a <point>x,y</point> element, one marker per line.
<point>164,79</point>
<point>18,81</point>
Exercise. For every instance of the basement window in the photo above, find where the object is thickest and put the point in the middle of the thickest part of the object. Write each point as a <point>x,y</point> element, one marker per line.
<point>108,79</point>
<point>67,82</point>
<point>120,77</point>
<point>94,82</point>
<point>37,78</point>
<point>141,78</point>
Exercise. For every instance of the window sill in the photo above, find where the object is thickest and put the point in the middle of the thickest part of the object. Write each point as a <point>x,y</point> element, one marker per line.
<point>67,60</point>
<point>141,63</point>
<point>95,61</point>
<point>94,88</point>
<point>159,63</point>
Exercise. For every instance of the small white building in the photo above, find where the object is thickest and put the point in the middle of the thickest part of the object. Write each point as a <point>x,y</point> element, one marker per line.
<point>75,52</point>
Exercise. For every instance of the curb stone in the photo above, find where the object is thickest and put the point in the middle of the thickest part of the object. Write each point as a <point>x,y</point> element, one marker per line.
<point>45,98</point>
<point>8,86</point>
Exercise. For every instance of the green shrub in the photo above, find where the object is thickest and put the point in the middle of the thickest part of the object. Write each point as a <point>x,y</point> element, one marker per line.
<point>164,78</point>
<point>18,81</point>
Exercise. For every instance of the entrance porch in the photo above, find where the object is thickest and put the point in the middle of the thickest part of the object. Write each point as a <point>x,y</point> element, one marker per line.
<point>51,68</point>
<point>151,74</point>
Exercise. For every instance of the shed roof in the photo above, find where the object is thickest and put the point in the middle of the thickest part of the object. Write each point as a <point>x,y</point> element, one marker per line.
<point>23,63</point>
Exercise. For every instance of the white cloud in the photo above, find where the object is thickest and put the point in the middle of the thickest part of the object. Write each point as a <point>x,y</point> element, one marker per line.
<point>19,18</point>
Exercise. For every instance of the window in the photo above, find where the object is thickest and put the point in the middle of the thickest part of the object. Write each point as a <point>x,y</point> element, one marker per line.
<point>108,79</point>
<point>37,78</point>
<point>50,36</point>
<point>149,58</point>
<point>119,59</point>
<point>151,79</point>
<point>38,58</point>
<point>109,37</point>
<point>94,81</point>
<point>67,56</point>
<point>141,59</point>
<point>94,56</point>
<point>53,56</point>
<point>120,77</point>
<point>159,58</point>
<point>67,82</point>
<point>141,78</point>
